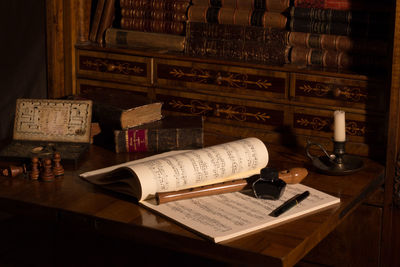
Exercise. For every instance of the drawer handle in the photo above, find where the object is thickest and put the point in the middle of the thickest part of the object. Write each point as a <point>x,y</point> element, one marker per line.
<point>111,67</point>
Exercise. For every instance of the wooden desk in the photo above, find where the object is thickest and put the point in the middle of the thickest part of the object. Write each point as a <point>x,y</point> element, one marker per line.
<point>72,201</point>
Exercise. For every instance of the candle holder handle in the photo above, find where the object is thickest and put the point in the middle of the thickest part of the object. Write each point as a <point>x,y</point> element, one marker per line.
<point>338,163</point>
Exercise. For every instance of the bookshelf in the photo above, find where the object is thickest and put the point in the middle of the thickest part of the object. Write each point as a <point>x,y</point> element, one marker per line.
<point>282,105</point>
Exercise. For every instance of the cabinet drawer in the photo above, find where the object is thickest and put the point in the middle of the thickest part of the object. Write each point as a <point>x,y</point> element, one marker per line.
<point>113,67</point>
<point>338,92</point>
<point>244,113</point>
<point>359,128</point>
<point>221,79</point>
<point>84,85</point>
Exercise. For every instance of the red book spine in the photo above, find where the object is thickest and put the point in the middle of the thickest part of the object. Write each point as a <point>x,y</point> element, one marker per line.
<point>137,140</point>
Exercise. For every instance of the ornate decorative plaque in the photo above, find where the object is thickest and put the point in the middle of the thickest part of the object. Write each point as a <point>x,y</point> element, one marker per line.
<point>53,120</point>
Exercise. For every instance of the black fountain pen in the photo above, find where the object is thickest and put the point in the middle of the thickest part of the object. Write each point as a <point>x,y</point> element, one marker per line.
<point>289,204</point>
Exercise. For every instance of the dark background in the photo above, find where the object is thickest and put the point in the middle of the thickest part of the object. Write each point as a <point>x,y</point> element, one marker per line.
<point>23,57</point>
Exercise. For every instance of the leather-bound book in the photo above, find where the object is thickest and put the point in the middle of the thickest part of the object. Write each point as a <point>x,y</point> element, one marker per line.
<point>374,30</point>
<point>267,5</point>
<point>96,20</point>
<point>343,4</point>
<point>154,14</point>
<point>106,20</point>
<point>169,133</point>
<point>236,42</point>
<point>150,25</point>
<point>247,17</point>
<point>344,16</point>
<point>117,109</point>
<point>140,39</point>
<point>216,3</point>
<point>332,59</point>
<point>338,43</point>
<point>133,3</point>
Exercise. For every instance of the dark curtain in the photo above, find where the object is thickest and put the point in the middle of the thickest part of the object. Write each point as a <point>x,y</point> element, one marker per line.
<point>23,59</point>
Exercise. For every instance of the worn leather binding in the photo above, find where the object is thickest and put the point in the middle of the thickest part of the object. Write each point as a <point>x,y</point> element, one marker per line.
<point>236,42</point>
<point>170,133</point>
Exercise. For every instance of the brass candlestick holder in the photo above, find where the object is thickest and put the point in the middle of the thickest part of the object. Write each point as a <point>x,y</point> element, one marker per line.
<point>337,163</point>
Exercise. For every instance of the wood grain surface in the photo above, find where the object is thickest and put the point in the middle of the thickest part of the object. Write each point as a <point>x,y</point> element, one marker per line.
<point>74,202</point>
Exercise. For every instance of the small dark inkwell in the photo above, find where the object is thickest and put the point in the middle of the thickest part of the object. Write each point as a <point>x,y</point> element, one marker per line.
<point>268,185</point>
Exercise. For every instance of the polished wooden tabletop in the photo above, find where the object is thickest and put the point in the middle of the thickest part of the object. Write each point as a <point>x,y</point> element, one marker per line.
<point>72,200</point>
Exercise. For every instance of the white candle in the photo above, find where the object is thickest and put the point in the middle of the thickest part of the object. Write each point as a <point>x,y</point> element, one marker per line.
<point>339,133</point>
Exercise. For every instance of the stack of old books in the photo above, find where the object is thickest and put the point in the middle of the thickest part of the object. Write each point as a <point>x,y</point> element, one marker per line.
<point>341,34</point>
<point>157,24</point>
<point>245,30</point>
<point>130,122</point>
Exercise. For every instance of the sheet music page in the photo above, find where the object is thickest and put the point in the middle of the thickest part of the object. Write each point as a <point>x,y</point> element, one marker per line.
<point>225,216</point>
<point>180,170</point>
<point>228,161</point>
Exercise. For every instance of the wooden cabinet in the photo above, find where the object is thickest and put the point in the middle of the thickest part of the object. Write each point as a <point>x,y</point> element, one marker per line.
<point>284,105</point>
<point>274,101</point>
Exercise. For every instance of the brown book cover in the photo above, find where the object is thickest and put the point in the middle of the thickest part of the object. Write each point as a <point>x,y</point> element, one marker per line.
<point>374,30</point>
<point>267,5</point>
<point>169,133</point>
<point>332,59</point>
<point>149,25</point>
<point>342,4</point>
<point>133,39</point>
<point>345,16</point>
<point>247,17</point>
<point>96,21</point>
<point>217,3</point>
<point>154,14</point>
<point>236,42</point>
<point>133,3</point>
<point>106,20</point>
<point>117,109</point>
<point>338,43</point>
<point>167,5</point>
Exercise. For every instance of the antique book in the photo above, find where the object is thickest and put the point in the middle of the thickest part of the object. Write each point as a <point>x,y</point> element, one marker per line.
<point>169,133</point>
<point>345,16</point>
<point>154,14</point>
<point>167,5</point>
<point>218,3</point>
<point>150,25</point>
<point>96,20</point>
<point>248,17</point>
<point>236,42</point>
<point>134,39</point>
<point>217,217</point>
<point>332,59</point>
<point>338,43</point>
<point>106,20</point>
<point>374,30</point>
<point>340,4</point>
<point>116,109</point>
<point>268,5</point>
